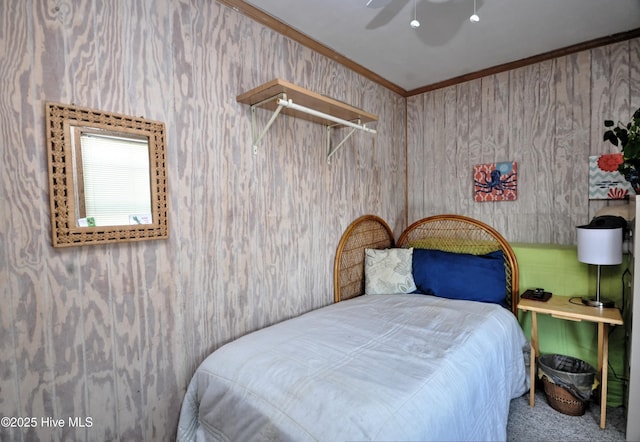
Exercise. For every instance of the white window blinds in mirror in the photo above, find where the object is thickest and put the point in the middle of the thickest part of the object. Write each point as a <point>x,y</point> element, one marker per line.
<point>115,174</point>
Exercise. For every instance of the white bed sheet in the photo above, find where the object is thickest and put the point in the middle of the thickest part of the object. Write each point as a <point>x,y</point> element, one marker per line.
<point>377,367</point>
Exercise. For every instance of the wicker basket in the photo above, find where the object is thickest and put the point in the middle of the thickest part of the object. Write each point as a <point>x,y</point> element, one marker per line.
<point>561,399</point>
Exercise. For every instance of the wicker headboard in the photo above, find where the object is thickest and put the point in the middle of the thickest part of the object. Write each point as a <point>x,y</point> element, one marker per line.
<point>366,232</point>
<point>451,233</point>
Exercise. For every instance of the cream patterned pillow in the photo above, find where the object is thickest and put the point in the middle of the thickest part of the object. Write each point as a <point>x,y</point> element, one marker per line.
<point>388,271</point>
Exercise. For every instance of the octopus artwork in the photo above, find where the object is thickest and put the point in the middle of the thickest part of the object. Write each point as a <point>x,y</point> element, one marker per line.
<point>496,181</point>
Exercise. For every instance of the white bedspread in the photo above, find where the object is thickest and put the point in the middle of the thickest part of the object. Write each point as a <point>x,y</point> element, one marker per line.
<point>378,367</point>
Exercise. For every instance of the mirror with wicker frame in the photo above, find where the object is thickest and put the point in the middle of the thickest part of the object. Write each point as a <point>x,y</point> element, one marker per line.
<point>107,177</point>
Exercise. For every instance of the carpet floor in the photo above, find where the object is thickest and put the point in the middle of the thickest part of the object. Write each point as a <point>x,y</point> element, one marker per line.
<point>543,423</point>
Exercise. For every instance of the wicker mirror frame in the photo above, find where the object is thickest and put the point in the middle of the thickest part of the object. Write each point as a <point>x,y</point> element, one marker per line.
<point>60,119</point>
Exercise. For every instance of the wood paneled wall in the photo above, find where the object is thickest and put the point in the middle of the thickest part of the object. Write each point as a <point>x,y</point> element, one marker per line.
<point>548,117</point>
<point>115,332</point>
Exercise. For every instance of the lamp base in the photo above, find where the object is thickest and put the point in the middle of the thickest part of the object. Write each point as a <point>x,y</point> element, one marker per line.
<point>598,302</point>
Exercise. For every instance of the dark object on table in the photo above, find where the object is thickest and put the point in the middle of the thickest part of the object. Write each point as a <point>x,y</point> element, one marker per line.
<point>537,295</point>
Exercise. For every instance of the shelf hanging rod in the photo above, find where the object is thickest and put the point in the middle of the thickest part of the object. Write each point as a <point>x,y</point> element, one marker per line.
<point>290,104</point>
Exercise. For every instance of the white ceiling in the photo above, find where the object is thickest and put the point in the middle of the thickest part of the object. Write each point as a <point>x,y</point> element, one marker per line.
<point>447,44</point>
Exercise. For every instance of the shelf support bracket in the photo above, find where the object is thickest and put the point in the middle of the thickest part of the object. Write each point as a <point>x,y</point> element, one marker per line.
<point>330,151</point>
<point>254,131</point>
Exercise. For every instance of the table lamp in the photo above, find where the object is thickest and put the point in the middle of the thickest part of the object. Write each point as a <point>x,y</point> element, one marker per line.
<point>599,244</point>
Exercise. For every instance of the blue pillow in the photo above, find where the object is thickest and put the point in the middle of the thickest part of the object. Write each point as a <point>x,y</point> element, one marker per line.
<point>460,276</point>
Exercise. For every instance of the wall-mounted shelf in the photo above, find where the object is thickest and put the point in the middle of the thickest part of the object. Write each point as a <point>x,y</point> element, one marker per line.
<point>281,96</point>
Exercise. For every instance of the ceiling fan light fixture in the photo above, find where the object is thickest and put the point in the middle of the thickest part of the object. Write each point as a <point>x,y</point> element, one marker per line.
<point>414,23</point>
<point>474,18</point>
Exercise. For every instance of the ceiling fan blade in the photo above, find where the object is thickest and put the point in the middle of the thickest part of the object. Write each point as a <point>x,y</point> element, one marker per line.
<point>387,14</point>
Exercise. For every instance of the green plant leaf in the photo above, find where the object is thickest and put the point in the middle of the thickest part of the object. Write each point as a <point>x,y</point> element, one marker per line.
<point>623,169</point>
<point>611,137</point>
<point>608,123</point>
<point>622,135</point>
<point>632,151</point>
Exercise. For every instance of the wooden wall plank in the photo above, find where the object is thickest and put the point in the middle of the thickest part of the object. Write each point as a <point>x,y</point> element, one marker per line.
<point>543,136</point>
<point>475,142</point>
<point>517,149</point>
<point>563,161</point>
<point>504,151</point>
<point>415,143</point>
<point>579,150</point>
<point>619,98</point>
<point>448,144</point>
<point>189,154</point>
<point>98,353</point>
<point>13,325</point>
<point>465,168</point>
<point>634,74</point>
<point>28,383</point>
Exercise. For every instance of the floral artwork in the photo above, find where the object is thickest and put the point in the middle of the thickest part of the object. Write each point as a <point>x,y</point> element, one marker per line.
<point>496,181</point>
<point>605,182</point>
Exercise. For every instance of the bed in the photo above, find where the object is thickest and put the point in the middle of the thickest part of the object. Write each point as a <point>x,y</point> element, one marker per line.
<point>398,366</point>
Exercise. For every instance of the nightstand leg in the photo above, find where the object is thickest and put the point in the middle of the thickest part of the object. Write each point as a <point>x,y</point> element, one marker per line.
<point>533,360</point>
<point>603,365</point>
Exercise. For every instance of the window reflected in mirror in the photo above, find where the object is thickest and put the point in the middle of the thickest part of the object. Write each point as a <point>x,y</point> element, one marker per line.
<point>107,177</point>
<point>112,182</point>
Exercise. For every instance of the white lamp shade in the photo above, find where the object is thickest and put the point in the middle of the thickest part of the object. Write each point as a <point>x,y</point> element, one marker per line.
<point>600,246</point>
